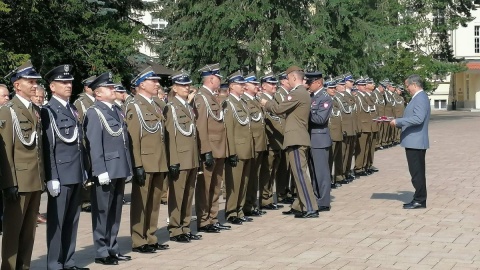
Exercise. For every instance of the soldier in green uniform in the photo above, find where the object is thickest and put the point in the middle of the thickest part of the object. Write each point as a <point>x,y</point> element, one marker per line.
<point>351,127</point>
<point>296,106</point>
<point>146,128</point>
<point>375,125</point>
<point>284,184</point>
<point>21,164</point>
<point>335,126</point>
<point>257,128</point>
<point>183,159</point>
<point>270,168</point>
<point>365,120</point>
<point>241,150</point>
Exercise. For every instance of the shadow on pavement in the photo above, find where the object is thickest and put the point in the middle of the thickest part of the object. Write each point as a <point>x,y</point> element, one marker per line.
<point>404,196</point>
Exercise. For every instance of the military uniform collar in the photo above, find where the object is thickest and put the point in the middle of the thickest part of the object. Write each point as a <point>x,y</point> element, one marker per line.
<point>318,91</point>
<point>248,95</point>
<point>90,97</point>
<point>147,99</point>
<point>61,101</point>
<point>182,101</point>
<point>210,90</point>
<point>25,102</point>
<point>109,105</point>
<point>268,95</point>
<point>237,98</point>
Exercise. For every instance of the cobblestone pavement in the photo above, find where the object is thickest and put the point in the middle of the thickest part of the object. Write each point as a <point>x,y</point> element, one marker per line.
<point>367,227</point>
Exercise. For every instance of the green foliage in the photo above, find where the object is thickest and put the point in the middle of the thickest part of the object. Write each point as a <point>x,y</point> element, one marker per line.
<point>94,36</point>
<point>381,38</point>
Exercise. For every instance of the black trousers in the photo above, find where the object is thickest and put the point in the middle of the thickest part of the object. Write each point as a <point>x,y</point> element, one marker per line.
<point>416,166</point>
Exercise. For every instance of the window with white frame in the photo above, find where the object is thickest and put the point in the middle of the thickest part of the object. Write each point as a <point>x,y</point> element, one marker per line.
<point>158,24</point>
<point>476,35</point>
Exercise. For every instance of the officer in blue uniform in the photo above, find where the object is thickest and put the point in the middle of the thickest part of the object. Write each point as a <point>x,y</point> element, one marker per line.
<point>108,145</point>
<point>64,169</point>
<point>321,109</point>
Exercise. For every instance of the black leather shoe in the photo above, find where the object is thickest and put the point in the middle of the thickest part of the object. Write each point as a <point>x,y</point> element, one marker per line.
<point>121,257</point>
<point>182,238</point>
<point>256,213</point>
<point>408,203</point>
<point>164,202</point>
<point>288,200</point>
<point>361,173</point>
<point>290,212</point>
<point>144,249</point>
<point>350,177</point>
<point>335,185</point>
<point>415,205</point>
<point>159,246</point>
<point>106,261</point>
<point>76,268</point>
<point>193,236</point>
<point>272,206</point>
<point>374,169</point>
<point>209,229</point>
<point>235,220</point>
<point>246,219</point>
<point>87,209</point>
<point>311,214</point>
<point>221,226</point>
<point>324,208</point>
<point>344,182</point>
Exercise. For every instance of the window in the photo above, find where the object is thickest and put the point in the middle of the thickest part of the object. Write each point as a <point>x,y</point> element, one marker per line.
<point>158,24</point>
<point>477,39</point>
<point>440,104</point>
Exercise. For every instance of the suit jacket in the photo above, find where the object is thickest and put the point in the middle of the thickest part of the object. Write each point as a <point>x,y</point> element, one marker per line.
<point>148,149</point>
<point>296,106</point>
<point>321,109</point>
<point>83,101</point>
<point>239,137</point>
<point>21,165</point>
<point>108,153</point>
<point>414,123</point>
<point>182,149</point>
<point>274,128</point>
<point>257,127</point>
<point>63,161</point>
<point>211,133</point>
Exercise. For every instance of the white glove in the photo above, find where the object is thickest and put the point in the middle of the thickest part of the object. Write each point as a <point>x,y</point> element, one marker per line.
<point>53,187</point>
<point>104,179</point>
<point>129,178</point>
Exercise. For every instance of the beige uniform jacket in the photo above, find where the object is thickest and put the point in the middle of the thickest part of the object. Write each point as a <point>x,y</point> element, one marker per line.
<point>257,123</point>
<point>296,106</point>
<point>211,132</point>
<point>365,117</point>
<point>21,165</point>
<point>346,105</point>
<point>399,105</point>
<point>148,149</point>
<point>240,140</point>
<point>335,122</point>
<point>389,104</point>
<point>82,103</point>
<point>181,134</point>
<point>274,128</point>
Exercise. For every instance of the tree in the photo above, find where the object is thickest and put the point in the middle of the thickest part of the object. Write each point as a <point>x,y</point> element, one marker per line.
<point>94,36</point>
<point>379,38</point>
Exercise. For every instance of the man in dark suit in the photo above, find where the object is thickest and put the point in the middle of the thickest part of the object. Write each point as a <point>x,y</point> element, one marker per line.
<point>108,144</point>
<point>320,111</point>
<point>414,137</point>
<point>64,169</point>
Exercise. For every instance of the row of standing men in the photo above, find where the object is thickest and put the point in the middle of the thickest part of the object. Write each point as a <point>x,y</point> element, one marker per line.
<point>240,139</point>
